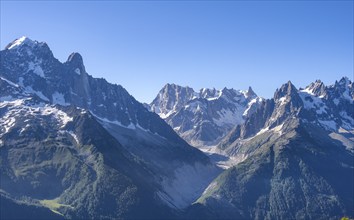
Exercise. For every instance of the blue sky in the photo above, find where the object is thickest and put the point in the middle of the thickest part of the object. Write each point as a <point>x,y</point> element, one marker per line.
<point>144,45</point>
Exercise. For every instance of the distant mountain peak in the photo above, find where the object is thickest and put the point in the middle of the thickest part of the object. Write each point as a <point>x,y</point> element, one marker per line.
<point>170,98</point>
<point>287,89</point>
<point>75,57</point>
<point>290,87</point>
<point>172,86</point>
<point>317,88</point>
<point>225,89</point>
<point>250,92</point>
<point>344,81</point>
<point>25,47</point>
<point>19,42</point>
<point>211,94</point>
<point>76,61</point>
<point>25,41</point>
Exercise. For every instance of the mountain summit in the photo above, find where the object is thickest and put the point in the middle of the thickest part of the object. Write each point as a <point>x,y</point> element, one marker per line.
<point>20,42</point>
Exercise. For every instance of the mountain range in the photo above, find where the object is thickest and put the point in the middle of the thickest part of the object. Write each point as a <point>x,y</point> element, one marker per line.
<point>203,118</point>
<point>77,147</point>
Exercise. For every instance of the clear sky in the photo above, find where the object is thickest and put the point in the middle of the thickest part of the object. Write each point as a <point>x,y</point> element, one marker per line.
<point>144,45</point>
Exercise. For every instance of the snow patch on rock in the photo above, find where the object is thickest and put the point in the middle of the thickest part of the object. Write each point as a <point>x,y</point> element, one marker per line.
<point>36,68</point>
<point>30,90</point>
<point>9,82</point>
<point>58,98</point>
<point>227,116</point>
<point>77,71</point>
<point>59,115</point>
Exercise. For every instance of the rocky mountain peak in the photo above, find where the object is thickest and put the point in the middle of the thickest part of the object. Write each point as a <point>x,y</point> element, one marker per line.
<point>342,89</point>
<point>209,93</point>
<point>169,86</point>
<point>317,88</point>
<point>170,98</point>
<point>233,94</point>
<point>344,81</point>
<point>175,89</point>
<point>75,58</point>
<point>250,93</point>
<point>287,89</point>
<point>76,62</point>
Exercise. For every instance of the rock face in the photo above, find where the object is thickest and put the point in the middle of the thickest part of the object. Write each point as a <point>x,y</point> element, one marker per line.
<point>203,118</point>
<point>85,148</point>
<point>298,162</point>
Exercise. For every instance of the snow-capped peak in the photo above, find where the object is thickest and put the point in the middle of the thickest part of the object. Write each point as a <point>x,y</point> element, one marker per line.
<point>20,41</point>
<point>317,89</point>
